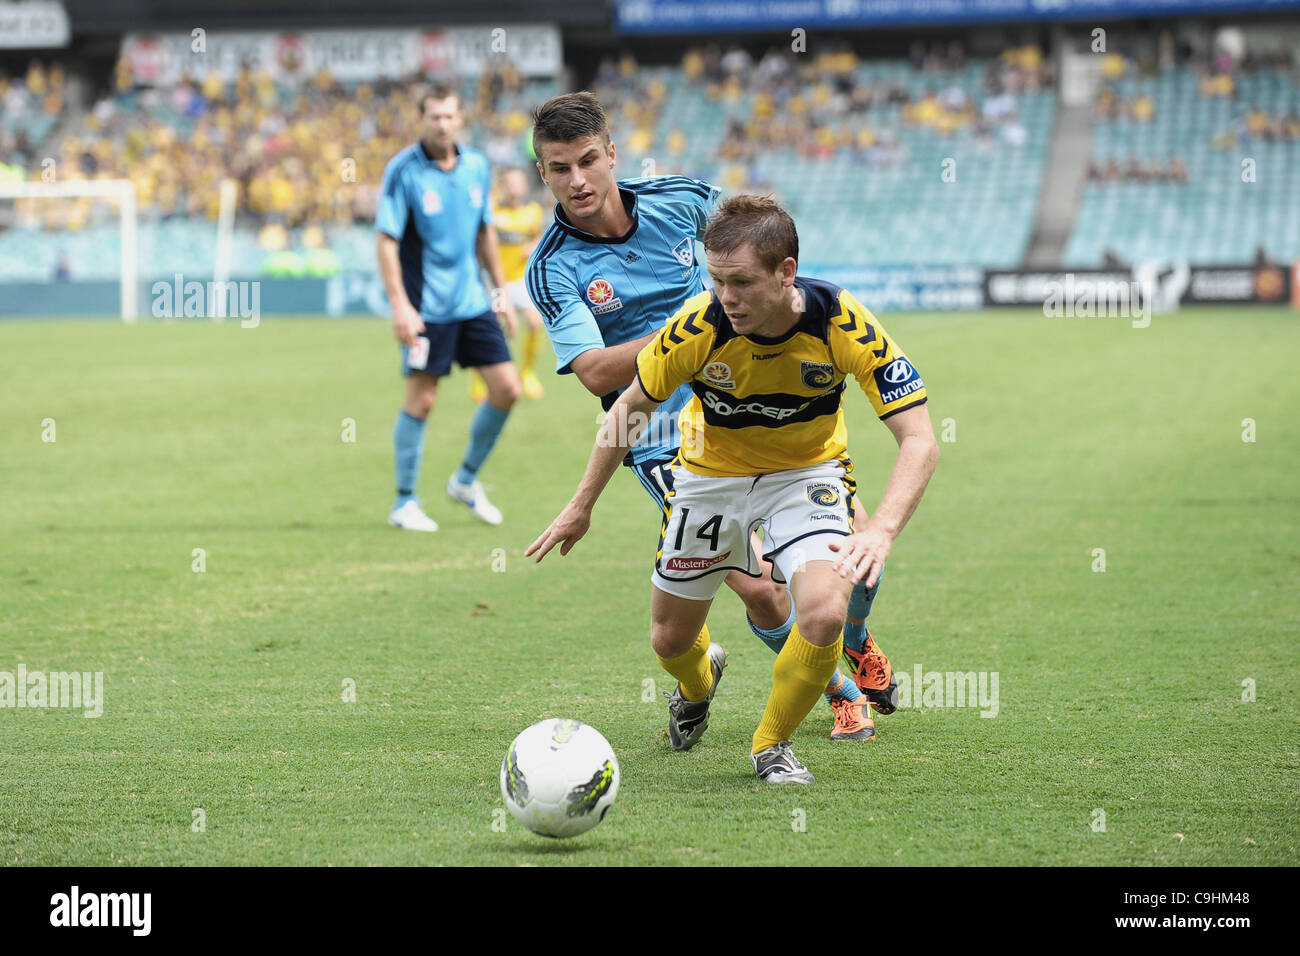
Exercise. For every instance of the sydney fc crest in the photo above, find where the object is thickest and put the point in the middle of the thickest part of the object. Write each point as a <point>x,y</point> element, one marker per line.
<point>685,251</point>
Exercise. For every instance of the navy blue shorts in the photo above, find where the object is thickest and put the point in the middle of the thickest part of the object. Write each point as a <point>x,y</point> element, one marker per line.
<point>656,477</point>
<point>470,342</point>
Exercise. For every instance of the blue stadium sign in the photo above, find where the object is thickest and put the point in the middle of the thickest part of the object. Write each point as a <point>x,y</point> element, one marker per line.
<point>698,16</point>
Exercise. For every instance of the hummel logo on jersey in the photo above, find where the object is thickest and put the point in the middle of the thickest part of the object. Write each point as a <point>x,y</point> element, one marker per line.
<point>760,358</point>
<point>685,251</point>
<point>632,256</point>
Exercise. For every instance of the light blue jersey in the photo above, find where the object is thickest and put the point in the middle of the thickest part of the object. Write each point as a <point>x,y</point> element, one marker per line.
<point>435,215</point>
<point>595,292</point>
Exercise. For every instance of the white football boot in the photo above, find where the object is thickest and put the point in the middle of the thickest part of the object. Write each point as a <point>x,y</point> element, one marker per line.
<point>475,498</point>
<point>410,517</point>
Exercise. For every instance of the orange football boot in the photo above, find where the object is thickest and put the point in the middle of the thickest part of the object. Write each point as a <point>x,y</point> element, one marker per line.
<point>852,720</point>
<point>874,676</point>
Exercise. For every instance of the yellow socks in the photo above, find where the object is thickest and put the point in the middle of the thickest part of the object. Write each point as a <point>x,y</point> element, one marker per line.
<point>692,669</point>
<point>799,677</point>
<point>532,339</point>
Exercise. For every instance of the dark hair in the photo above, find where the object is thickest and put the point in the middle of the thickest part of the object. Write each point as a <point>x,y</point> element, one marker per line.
<point>567,117</point>
<point>439,91</point>
<point>757,220</point>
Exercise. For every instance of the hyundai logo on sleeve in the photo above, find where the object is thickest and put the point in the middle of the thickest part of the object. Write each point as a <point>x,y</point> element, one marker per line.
<point>896,380</point>
<point>898,371</point>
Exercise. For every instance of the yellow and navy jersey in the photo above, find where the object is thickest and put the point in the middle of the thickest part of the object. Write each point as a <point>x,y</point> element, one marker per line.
<point>517,227</point>
<point>773,404</point>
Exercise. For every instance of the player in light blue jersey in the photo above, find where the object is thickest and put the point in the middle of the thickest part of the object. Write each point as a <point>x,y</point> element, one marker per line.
<point>617,262</point>
<point>435,230</point>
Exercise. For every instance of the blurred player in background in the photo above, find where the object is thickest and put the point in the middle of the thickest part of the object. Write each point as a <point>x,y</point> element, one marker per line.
<point>519,221</point>
<point>435,229</point>
<point>766,354</point>
<point>618,260</point>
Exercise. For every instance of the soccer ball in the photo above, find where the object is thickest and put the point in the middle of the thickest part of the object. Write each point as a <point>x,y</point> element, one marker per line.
<point>559,777</point>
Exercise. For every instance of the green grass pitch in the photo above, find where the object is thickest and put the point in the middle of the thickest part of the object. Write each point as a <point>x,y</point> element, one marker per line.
<point>1120,691</point>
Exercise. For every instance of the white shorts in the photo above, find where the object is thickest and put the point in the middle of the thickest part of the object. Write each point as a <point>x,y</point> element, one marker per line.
<point>518,292</point>
<point>708,522</point>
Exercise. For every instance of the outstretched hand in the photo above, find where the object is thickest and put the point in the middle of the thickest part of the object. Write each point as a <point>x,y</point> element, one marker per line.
<point>862,554</point>
<point>566,530</point>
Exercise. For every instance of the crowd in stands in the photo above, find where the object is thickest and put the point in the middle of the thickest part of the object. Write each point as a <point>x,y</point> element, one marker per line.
<point>818,106</point>
<point>1111,105</point>
<point>308,156</point>
<point>1257,125</point>
<point>27,102</point>
<point>1155,171</point>
<point>1219,74</point>
<point>313,155</point>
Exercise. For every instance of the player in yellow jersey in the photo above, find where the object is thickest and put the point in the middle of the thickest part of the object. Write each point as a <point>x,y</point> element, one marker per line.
<point>767,354</point>
<point>520,222</point>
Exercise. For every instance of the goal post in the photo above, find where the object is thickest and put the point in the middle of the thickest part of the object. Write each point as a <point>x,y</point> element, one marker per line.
<point>123,190</point>
<point>228,198</point>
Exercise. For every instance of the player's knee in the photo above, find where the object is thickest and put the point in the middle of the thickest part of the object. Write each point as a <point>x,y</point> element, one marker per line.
<point>768,604</point>
<point>822,622</point>
<point>668,642</point>
<point>506,393</point>
<point>420,403</point>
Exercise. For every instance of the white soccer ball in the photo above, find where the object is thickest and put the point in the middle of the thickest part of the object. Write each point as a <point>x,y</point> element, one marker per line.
<point>559,777</point>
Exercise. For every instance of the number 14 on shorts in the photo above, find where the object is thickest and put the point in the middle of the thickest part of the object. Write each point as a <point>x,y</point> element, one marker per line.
<point>708,531</point>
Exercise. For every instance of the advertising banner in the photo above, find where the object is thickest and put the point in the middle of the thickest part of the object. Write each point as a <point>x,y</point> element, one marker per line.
<point>348,55</point>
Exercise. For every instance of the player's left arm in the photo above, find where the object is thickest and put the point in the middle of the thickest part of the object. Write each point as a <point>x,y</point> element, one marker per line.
<point>623,426</point>
<point>863,553</point>
<point>489,256</point>
<point>861,347</point>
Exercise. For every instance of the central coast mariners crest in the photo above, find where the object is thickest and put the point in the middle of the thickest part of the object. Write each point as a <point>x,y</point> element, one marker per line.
<point>816,374</point>
<point>824,494</point>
